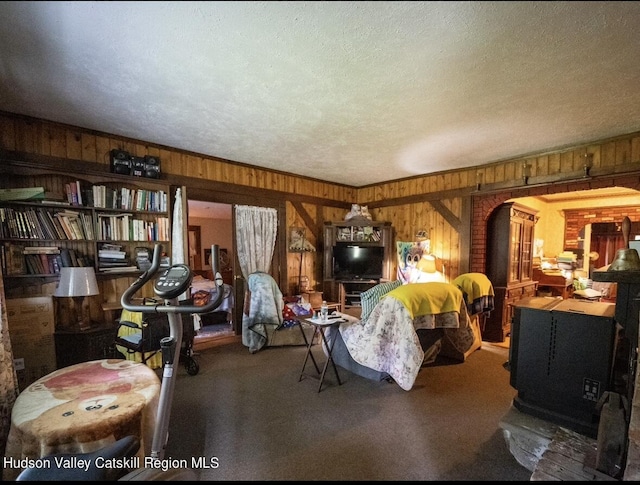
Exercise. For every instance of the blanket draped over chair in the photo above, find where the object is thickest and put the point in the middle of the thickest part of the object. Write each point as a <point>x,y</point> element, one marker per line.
<point>387,340</point>
<point>477,291</point>
<point>263,307</point>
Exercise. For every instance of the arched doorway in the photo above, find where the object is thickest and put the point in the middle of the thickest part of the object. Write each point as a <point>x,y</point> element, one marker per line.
<point>484,205</point>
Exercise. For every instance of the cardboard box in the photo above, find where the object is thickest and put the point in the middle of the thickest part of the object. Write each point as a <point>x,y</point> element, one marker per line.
<point>31,323</point>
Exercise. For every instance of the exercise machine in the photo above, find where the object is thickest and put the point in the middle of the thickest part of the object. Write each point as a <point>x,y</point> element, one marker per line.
<point>169,284</point>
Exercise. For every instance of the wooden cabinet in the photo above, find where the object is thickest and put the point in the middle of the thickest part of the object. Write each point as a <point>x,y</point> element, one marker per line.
<point>510,234</point>
<point>362,232</point>
<point>92,344</point>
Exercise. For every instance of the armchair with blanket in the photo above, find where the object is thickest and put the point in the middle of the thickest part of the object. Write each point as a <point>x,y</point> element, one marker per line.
<point>263,323</point>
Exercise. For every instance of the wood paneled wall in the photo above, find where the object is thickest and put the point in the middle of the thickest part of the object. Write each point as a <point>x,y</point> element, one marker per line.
<point>438,203</point>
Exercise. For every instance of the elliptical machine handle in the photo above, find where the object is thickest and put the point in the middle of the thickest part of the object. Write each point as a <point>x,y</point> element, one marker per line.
<point>127,296</point>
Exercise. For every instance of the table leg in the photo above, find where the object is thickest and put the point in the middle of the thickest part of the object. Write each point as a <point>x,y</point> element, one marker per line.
<point>309,353</point>
<point>329,346</point>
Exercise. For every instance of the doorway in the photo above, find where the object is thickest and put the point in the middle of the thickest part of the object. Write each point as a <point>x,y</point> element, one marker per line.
<point>210,223</point>
<point>195,246</point>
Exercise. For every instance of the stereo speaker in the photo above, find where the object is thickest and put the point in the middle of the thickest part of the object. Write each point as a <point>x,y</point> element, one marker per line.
<point>151,167</point>
<point>120,162</point>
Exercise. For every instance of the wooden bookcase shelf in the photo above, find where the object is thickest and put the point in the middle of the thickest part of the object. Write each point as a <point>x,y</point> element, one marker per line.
<point>134,214</point>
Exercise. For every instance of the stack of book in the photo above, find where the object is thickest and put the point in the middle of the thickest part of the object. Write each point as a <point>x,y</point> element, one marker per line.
<point>42,259</point>
<point>143,258</point>
<point>111,258</point>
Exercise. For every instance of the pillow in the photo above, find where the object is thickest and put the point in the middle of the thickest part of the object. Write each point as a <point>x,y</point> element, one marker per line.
<point>370,298</point>
<point>289,318</point>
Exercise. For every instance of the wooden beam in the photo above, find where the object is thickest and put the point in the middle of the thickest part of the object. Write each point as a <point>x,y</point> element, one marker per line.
<point>308,220</point>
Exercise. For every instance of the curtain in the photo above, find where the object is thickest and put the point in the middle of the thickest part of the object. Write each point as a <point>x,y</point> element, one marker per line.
<point>256,229</point>
<point>8,379</point>
<point>177,239</point>
<point>177,230</point>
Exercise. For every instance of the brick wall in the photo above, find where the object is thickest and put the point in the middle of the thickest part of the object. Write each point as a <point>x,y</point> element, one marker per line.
<point>576,219</point>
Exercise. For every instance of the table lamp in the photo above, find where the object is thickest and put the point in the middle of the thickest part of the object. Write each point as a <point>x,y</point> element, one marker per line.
<point>77,283</point>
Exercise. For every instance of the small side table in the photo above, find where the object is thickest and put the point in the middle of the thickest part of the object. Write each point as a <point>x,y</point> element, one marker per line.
<point>82,408</point>
<point>319,328</point>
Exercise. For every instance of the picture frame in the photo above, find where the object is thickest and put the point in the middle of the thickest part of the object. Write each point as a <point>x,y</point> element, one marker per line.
<point>223,254</point>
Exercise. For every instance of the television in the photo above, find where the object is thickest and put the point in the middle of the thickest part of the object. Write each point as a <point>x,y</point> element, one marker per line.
<point>353,262</point>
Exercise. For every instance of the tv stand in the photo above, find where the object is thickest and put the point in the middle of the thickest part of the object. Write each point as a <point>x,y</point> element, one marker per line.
<point>365,233</point>
<point>349,294</point>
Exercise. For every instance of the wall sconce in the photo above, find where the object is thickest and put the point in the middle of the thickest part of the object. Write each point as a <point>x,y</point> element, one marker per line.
<point>77,283</point>
<point>479,176</point>
<point>588,163</point>
<point>526,172</point>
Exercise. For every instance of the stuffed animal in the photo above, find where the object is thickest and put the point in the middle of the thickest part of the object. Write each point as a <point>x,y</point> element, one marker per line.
<point>358,212</point>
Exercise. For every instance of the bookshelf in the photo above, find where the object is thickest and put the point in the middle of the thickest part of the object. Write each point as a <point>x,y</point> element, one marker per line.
<point>72,221</point>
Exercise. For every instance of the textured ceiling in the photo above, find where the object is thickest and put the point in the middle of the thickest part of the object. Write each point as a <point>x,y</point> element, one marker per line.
<point>347,92</point>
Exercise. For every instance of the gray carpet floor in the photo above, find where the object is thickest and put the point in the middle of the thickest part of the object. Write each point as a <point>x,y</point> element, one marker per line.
<point>249,418</point>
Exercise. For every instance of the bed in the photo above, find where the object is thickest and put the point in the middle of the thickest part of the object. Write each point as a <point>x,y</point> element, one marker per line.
<point>202,290</point>
<point>409,326</point>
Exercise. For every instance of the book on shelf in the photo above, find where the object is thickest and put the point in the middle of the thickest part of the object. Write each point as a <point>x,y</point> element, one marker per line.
<point>143,258</point>
<point>76,192</point>
<point>14,261</point>
<point>103,253</point>
<point>22,193</point>
<point>110,247</point>
<point>57,226</point>
<point>45,226</point>
<point>76,227</point>
<point>55,202</point>
<point>118,269</point>
<point>66,226</point>
<point>70,259</point>
<point>87,225</point>
<point>42,263</point>
<point>41,250</point>
<point>104,263</point>
<point>70,222</point>
<point>65,257</point>
<point>33,265</point>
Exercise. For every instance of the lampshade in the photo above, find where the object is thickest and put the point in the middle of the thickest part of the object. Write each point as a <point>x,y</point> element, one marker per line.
<point>430,264</point>
<point>77,282</point>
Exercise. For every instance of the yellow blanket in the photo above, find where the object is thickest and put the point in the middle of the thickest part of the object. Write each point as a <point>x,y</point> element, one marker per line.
<point>475,285</point>
<point>428,298</point>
